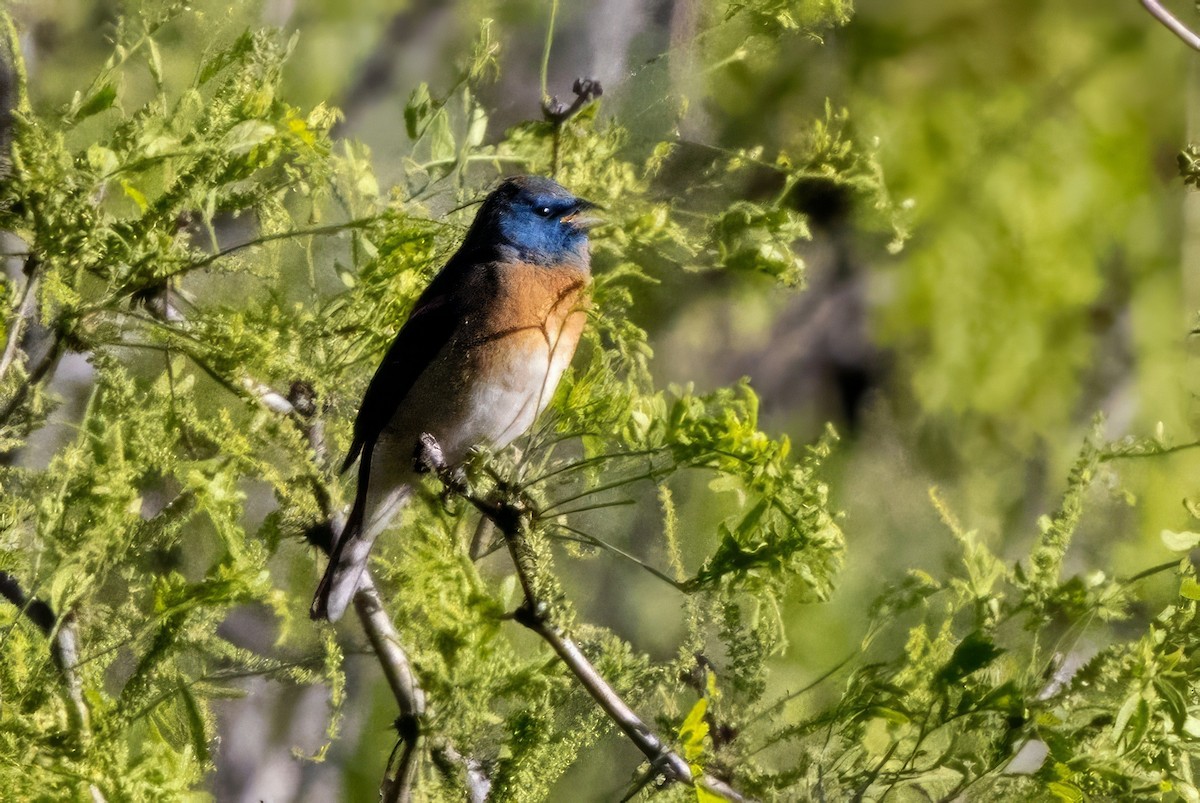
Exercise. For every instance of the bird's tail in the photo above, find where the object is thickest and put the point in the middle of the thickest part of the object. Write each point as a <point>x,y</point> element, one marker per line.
<point>348,558</point>
<point>346,564</point>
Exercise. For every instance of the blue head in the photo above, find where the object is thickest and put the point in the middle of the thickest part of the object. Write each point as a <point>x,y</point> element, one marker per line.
<point>536,219</point>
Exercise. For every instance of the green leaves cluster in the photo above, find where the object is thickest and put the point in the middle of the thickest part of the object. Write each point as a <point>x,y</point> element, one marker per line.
<point>137,527</point>
<point>997,690</point>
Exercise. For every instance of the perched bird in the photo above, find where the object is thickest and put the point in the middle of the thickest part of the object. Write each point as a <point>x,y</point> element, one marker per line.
<point>475,363</point>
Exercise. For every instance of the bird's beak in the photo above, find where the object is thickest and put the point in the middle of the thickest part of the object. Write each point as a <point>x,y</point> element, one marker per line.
<point>580,218</point>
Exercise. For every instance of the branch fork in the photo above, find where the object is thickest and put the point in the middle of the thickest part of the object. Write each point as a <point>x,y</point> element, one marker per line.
<point>557,113</point>
<point>515,520</point>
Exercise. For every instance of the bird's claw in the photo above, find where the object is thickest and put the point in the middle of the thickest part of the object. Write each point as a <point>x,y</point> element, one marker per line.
<point>428,455</point>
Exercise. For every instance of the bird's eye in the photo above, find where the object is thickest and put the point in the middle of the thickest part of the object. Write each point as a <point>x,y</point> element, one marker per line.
<point>542,211</point>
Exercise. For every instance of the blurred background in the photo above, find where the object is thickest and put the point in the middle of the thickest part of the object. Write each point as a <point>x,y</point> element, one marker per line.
<point>1051,275</point>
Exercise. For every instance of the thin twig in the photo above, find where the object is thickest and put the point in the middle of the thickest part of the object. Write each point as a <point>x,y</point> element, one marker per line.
<point>516,523</point>
<point>1160,13</point>
<point>1153,570</point>
<point>1155,450</point>
<point>39,371</point>
<point>556,112</point>
<point>581,537</point>
<point>25,312</point>
<point>546,48</point>
<point>64,648</point>
<point>205,261</point>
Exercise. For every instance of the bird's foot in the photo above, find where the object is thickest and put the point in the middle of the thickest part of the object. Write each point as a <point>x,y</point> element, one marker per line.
<point>428,456</point>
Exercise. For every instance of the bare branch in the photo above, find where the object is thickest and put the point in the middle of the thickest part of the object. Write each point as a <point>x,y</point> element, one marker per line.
<point>1172,23</point>
<point>586,90</point>
<point>314,231</point>
<point>398,671</point>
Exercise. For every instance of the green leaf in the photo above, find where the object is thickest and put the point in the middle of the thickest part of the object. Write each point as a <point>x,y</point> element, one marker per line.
<point>1174,700</point>
<point>417,110</point>
<point>972,654</point>
<point>476,127</point>
<point>154,60</point>
<point>247,135</point>
<point>135,195</point>
<point>196,724</point>
<point>1180,541</point>
<point>1131,721</point>
<point>694,730</point>
<point>102,160</point>
<point>1065,792</point>
<point>441,138</point>
<point>103,98</point>
<point>242,46</point>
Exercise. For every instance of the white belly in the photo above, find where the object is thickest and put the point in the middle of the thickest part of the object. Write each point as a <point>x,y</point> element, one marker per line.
<point>463,412</point>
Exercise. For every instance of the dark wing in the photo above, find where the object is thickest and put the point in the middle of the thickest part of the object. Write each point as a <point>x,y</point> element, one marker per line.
<point>424,334</point>
<point>429,328</point>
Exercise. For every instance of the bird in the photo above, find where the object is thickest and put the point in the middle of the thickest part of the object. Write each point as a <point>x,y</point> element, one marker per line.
<point>475,363</point>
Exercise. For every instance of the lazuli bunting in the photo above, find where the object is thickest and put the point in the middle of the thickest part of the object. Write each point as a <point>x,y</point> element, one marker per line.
<point>475,363</point>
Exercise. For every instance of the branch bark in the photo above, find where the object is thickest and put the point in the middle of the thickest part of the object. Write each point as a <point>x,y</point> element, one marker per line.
<point>515,521</point>
<point>64,649</point>
<point>377,624</point>
<point>22,340</point>
<point>1172,23</point>
<point>25,312</point>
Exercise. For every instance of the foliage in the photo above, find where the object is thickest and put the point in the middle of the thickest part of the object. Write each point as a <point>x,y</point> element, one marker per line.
<point>990,671</point>
<point>208,246</point>
<point>1029,205</point>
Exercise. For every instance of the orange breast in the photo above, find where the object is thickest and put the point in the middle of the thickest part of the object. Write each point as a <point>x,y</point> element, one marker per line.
<point>513,350</point>
<point>538,315</point>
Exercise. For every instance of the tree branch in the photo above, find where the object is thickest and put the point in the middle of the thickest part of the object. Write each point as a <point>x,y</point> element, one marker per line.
<point>300,405</point>
<point>25,312</point>
<point>515,521</point>
<point>384,638</point>
<point>1172,23</point>
<point>20,341</point>
<point>64,649</point>
<point>556,112</point>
